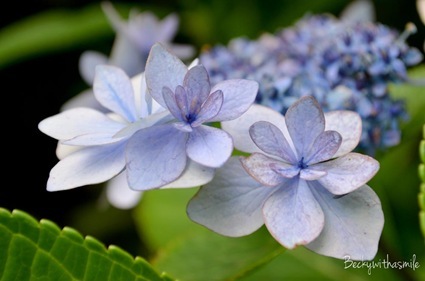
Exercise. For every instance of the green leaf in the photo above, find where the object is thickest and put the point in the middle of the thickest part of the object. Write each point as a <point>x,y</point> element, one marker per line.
<point>421,196</point>
<point>206,255</point>
<point>32,250</point>
<point>189,251</point>
<point>302,264</point>
<point>51,31</point>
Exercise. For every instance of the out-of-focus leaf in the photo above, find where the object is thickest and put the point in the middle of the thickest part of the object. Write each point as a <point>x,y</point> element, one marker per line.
<point>189,251</point>
<point>209,256</point>
<point>32,250</point>
<point>397,181</point>
<point>303,265</point>
<point>421,195</point>
<point>208,22</point>
<point>51,31</point>
<point>161,216</point>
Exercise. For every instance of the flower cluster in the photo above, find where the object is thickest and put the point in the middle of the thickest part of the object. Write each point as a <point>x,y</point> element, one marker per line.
<point>343,64</point>
<point>301,180</point>
<point>156,139</point>
<point>171,126</point>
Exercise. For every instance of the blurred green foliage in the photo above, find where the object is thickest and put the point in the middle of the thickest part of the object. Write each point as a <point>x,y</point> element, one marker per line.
<point>170,240</point>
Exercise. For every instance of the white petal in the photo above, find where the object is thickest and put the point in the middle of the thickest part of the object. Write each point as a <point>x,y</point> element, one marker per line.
<point>163,69</point>
<point>80,122</point>
<point>156,156</point>
<point>347,173</point>
<point>87,166</point>
<point>194,175</point>
<point>84,99</point>
<point>349,125</point>
<point>231,203</point>
<point>64,150</point>
<point>353,224</point>
<point>209,146</point>
<point>239,127</point>
<point>119,193</point>
<point>113,89</point>
<point>292,215</point>
<point>239,94</point>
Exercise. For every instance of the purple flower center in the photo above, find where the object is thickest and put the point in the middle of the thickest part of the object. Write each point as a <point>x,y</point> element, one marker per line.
<point>190,117</point>
<point>302,164</point>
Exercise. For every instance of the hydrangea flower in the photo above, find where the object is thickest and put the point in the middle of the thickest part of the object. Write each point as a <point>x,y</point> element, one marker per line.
<point>344,63</point>
<point>92,143</point>
<point>301,180</point>
<point>134,38</point>
<point>158,155</point>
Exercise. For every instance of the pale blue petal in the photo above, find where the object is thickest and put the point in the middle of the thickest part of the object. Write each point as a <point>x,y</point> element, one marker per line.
<point>231,203</point>
<point>112,15</point>
<point>292,214</point>
<point>194,175</point>
<point>126,55</point>
<point>170,101</point>
<point>155,157</point>
<point>163,69</point>
<point>167,28</point>
<point>349,125</point>
<point>210,108</point>
<point>81,122</point>
<point>324,147</point>
<point>353,224</point>
<point>87,65</point>
<point>305,121</point>
<point>285,170</point>
<point>347,172</point>
<point>156,118</point>
<point>87,166</point>
<point>271,140</point>
<point>119,193</point>
<point>239,94</point>
<point>114,90</point>
<point>311,175</point>
<point>266,170</point>
<point>239,127</point>
<point>182,51</point>
<point>182,102</point>
<point>197,84</point>
<point>209,146</point>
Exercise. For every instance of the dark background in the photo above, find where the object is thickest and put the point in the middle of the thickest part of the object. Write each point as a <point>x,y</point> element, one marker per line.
<point>35,87</point>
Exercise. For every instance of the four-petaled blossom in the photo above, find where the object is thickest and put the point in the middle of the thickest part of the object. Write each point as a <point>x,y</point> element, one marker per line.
<point>301,180</point>
<point>159,155</point>
<point>133,40</point>
<point>92,144</point>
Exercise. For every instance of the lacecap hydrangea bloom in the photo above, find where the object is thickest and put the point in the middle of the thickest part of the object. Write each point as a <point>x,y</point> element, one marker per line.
<point>344,64</point>
<point>301,180</point>
<point>153,136</point>
<point>133,41</point>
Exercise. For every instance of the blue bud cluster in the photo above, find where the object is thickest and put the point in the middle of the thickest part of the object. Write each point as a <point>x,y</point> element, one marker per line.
<point>344,65</point>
